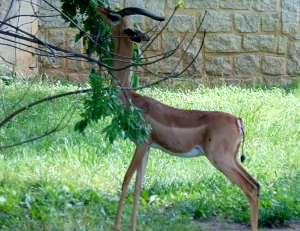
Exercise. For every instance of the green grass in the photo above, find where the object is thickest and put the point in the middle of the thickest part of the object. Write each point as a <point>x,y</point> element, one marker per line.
<point>68,181</point>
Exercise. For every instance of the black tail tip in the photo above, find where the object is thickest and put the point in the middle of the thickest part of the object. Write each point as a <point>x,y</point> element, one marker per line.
<point>243,158</point>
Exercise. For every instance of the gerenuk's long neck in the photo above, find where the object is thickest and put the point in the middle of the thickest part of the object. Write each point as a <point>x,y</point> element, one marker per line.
<point>122,57</point>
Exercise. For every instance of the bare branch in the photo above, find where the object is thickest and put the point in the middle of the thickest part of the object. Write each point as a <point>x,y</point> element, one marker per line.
<point>12,115</point>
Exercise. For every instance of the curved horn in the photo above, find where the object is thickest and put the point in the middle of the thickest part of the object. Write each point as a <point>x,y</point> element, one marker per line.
<point>135,10</point>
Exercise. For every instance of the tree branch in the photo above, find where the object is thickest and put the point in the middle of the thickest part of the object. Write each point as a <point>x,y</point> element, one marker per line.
<point>12,115</point>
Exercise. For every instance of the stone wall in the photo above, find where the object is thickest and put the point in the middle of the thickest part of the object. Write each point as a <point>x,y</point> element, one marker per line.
<point>23,63</point>
<point>245,40</point>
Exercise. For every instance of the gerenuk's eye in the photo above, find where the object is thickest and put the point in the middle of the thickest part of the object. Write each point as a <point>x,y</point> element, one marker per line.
<point>114,17</point>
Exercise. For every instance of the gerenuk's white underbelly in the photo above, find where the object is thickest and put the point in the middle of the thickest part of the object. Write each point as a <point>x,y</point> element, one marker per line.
<point>194,152</point>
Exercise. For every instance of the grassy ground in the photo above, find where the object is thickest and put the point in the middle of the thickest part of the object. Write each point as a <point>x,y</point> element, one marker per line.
<point>72,182</point>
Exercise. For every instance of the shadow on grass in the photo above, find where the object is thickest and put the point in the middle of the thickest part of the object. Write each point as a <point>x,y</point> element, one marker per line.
<point>52,205</point>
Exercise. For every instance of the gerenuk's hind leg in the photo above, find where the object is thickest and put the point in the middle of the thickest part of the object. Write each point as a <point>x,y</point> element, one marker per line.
<point>233,170</point>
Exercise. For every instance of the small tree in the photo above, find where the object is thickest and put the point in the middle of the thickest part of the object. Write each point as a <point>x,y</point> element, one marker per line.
<point>102,100</point>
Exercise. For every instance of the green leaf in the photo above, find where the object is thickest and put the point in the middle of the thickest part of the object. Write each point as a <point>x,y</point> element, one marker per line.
<point>78,36</point>
<point>136,81</point>
<point>145,195</point>
<point>179,4</point>
<point>81,125</point>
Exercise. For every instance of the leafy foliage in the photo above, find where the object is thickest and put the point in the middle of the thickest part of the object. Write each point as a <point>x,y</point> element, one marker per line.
<point>83,12</point>
<point>103,101</point>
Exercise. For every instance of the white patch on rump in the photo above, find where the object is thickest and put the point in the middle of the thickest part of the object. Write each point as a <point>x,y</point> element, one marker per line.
<point>239,123</point>
<point>194,152</point>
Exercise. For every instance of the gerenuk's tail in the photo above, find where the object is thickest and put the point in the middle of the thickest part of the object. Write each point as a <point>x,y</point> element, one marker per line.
<point>240,123</point>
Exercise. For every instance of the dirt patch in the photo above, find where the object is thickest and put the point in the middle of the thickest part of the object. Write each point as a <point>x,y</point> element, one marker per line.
<point>222,226</point>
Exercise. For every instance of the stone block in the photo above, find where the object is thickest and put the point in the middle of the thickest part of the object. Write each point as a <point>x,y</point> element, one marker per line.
<point>265,5</point>
<point>75,46</point>
<point>273,65</point>
<point>46,10</point>
<point>136,3</point>
<point>48,62</point>
<point>269,22</point>
<point>74,65</point>
<point>54,75</point>
<point>50,22</point>
<point>77,77</point>
<point>290,5</point>
<point>171,4</point>
<point>181,23</point>
<point>195,67</point>
<point>294,37</point>
<point>192,48</point>
<point>290,16</point>
<point>223,43</point>
<point>216,22</point>
<point>170,42</point>
<point>246,64</point>
<point>294,59</point>
<point>56,3</point>
<point>282,45</point>
<point>153,45</point>
<point>42,35</point>
<point>278,80</point>
<point>165,66</point>
<point>236,5</point>
<point>195,4</point>
<point>218,66</point>
<point>259,43</point>
<point>246,23</point>
<point>153,7</point>
<point>56,38</point>
<point>154,25</point>
<point>138,19</point>
<point>115,3</point>
<point>289,26</point>
<point>56,21</point>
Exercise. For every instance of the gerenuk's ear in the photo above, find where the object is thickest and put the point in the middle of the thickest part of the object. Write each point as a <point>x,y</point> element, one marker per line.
<point>136,35</point>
